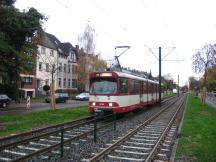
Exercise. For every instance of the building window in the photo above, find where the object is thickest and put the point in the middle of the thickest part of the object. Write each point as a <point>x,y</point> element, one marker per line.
<point>38,84</point>
<point>64,83</point>
<point>69,83</point>
<point>59,82</point>
<point>47,67</point>
<point>43,50</point>
<point>69,68</point>
<point>29,39</point>
<point>74,69</point>
<point>64,67</point>
<point>40,66</point>
<point>29,53</point>
<point>60,67</point>
<point>73,56</point>
<point>51,53</point>
<point>74,83</point>
<point>47,82</point>
<point>27,80</point>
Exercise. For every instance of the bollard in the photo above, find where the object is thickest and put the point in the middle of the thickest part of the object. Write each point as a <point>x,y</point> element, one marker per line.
<point>114,121</point>
<point>62,142</point>
<point>95,129</point>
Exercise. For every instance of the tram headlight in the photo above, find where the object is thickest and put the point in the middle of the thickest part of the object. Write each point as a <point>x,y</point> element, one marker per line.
<point>93,103</point>
<point>110,104</point>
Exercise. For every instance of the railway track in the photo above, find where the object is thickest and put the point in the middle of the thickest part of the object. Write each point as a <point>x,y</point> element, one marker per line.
<point>39,131</point>
<point>26,145</point>
<point>51,141</point>
<point>150,141</point>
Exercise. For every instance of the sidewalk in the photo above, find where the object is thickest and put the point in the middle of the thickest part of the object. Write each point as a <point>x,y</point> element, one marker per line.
<point>211,101</point>
<point>14,108</point>
<point>13,105</point>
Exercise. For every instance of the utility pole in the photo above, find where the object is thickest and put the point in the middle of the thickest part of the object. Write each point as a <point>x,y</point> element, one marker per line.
<point>178,85</point>
<point>159,75</point>
<point>160,59</point>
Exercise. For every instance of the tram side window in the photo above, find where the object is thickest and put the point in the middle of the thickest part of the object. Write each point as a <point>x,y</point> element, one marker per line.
<point>123,86</point>
<point>150,87</point>
<point>153,87</point>
<point>134,87</point>
<point>145,87</point>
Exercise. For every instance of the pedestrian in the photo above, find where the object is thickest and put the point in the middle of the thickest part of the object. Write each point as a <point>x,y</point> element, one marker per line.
<point>28,103</point>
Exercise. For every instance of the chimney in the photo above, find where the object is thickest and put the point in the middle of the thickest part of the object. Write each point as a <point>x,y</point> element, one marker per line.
<point>77,47</point>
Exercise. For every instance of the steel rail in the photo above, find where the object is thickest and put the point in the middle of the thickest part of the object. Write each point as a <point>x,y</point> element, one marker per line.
<point>14,144</point>
<point>100,155</point>
<point>43,129</point>
<point>151,154</point>
<point>75,125</point>
<point>48,149</point>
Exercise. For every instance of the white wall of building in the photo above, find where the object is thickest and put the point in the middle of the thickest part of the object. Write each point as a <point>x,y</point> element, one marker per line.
<point>46,58</point>
<point>66,75</point>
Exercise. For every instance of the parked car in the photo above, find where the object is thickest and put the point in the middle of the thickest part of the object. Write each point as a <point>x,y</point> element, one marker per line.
<point>82,96</point>
<point>4,100</point>
<point>59,97</point>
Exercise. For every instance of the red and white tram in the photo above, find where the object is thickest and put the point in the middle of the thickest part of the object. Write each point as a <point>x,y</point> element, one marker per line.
<point>119,92</point>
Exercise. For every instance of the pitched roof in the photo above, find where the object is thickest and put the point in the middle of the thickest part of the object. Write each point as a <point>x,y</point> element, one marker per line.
<point>51,41</point>
<point>67,47</point>
<point>57,43</point>
<point>45,41</point>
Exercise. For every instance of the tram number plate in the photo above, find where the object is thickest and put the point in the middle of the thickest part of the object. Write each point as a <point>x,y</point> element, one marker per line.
<point>97,110</point>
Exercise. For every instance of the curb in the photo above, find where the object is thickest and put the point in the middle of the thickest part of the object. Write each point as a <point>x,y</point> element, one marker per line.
<point>173,154</point>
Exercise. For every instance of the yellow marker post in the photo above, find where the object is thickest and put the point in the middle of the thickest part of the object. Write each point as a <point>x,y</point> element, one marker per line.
<point>52,97</point>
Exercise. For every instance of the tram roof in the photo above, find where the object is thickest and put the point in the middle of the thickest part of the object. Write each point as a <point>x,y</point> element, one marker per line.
<point>127,75</point>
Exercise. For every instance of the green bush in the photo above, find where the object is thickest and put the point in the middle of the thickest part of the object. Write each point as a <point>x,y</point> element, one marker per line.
<point>73,95</point>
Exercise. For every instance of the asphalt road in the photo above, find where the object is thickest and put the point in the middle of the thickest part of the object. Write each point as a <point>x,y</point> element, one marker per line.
<point>21,108</point>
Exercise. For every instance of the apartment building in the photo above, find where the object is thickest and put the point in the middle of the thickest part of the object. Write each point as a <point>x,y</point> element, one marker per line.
<point>46,63</point>
<point>54,61</point>
<point>66,76</point>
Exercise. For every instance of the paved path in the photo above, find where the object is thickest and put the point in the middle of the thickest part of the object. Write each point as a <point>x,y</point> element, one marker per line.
<point>211,101</point>
<point>21,108</point>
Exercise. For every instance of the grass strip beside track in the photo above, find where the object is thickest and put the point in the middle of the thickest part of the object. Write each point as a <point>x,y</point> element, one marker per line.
<point>11,124</point>
<point>169,94</point>
<point>198,134</point>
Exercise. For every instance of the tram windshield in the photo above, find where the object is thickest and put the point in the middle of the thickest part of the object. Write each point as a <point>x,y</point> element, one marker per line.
<point>103,86</point>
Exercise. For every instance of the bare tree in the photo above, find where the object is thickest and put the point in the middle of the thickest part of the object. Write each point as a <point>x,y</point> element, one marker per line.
<point>203,60</point>
<point>88,59</point>
<point>87,40</point>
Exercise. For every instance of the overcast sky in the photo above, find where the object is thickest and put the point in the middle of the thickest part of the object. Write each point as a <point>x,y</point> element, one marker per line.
<point>185,25</point>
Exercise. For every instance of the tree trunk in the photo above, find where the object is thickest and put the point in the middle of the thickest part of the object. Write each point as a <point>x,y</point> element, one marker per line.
<point>203,95</point>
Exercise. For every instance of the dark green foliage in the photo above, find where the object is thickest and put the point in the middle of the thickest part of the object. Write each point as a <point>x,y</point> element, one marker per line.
<point>46,88</point>
<point>18,35</point>
<point>7,2</point>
